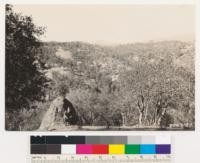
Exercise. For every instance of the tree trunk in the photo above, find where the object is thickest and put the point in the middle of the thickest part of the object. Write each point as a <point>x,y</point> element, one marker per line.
<point>141,109</point>
<point>159,117</point>
<point>141,116</point>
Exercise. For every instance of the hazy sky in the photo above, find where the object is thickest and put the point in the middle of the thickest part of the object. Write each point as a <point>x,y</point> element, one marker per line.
<point>113,23</point>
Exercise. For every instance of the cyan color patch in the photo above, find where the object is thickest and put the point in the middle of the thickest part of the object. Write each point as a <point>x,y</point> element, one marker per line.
<point>147,149</point>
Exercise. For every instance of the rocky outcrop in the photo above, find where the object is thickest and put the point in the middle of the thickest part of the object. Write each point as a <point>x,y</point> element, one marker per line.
<point>60,116</point>
<point>53,115</point>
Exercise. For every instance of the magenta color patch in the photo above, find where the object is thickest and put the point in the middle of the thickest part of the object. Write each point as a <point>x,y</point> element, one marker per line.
<point>83,149</point>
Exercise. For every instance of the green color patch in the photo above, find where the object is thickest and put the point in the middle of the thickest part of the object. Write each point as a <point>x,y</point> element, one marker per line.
<point>132,149</point>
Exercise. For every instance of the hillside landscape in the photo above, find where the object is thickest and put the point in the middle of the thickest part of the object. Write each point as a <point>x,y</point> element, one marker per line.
<point>76,85</point>
<point>148,84</point>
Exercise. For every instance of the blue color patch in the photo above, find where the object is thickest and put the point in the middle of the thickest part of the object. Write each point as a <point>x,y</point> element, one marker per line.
<point>147,149</point>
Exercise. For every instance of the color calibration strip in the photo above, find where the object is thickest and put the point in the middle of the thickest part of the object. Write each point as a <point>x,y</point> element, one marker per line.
<point>101,145</point>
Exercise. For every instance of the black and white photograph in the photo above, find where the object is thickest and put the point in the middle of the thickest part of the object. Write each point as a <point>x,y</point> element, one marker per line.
<point>99,67</point>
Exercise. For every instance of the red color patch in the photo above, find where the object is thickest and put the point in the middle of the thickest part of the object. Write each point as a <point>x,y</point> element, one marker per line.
<point>100,149</point>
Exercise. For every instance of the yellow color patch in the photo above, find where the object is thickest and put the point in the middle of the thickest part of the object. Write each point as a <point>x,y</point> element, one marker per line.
<point>116,149</point>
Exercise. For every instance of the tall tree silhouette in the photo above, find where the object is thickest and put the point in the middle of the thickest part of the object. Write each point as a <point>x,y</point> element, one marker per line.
<point>25,80</point>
